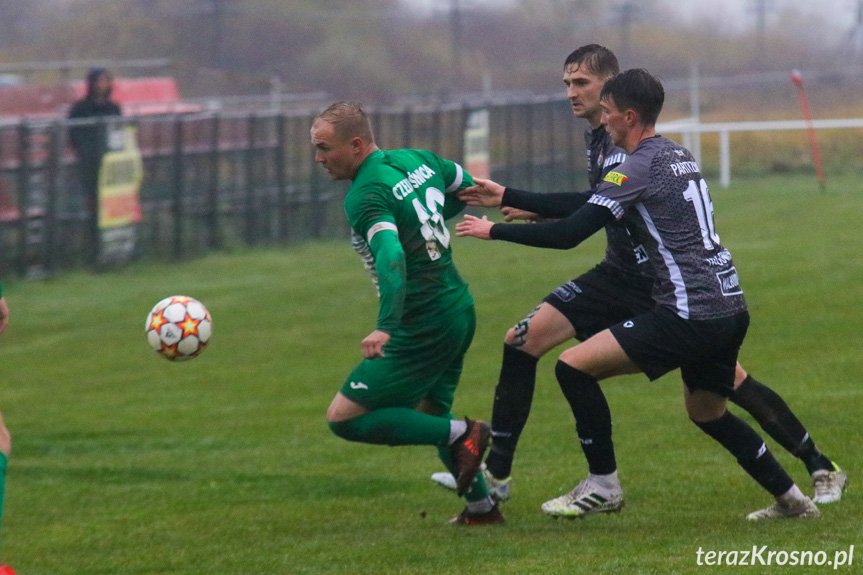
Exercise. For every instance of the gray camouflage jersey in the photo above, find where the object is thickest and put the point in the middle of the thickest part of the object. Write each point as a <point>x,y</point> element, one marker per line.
<point>658,192</point>
<point>621,251</point>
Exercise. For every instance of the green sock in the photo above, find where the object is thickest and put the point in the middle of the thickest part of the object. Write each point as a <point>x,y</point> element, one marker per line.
<point>478,489</point>
<point>394,426</point>
<point>403,426</point>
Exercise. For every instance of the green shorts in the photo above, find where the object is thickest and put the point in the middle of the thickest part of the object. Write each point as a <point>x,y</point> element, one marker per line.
<point>421,362</point>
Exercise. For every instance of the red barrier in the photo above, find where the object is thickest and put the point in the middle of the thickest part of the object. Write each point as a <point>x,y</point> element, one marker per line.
<point>136,96</point>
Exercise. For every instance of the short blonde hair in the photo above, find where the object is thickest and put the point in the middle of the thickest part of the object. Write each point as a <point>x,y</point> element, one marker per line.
<point>349,121</point>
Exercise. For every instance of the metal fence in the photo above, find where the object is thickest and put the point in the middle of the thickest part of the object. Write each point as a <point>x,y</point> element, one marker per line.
<point>215,181</point>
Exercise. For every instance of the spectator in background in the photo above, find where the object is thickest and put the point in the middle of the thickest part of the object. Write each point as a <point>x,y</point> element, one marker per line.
<point>90,144</point>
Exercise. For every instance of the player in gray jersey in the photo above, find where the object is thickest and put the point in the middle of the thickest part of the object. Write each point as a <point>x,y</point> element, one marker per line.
<point>617,288</point>
<point>699,321</point>
<point>610,292</point>
<point>656,197</point>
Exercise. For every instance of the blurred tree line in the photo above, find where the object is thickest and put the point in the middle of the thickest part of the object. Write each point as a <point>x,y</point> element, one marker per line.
<point>384,50</point>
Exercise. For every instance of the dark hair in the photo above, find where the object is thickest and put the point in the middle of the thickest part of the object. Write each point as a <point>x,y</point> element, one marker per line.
<point>599,60</point>
<point>637,90</point>
<point>94,73</point>
<point>93,76</point>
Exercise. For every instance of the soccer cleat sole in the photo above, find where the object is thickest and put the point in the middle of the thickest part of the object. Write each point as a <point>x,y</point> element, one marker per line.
<point>493,517</point>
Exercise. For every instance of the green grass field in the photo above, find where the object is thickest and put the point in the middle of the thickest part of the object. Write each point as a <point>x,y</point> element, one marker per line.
<point>125,463</point>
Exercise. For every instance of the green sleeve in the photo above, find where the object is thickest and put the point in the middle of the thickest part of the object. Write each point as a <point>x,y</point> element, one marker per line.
<point>452,206</point>
<point>392,278</point>
<point>455,178</point>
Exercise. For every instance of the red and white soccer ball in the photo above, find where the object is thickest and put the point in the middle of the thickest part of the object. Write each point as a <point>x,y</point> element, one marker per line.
<point>179,327</point>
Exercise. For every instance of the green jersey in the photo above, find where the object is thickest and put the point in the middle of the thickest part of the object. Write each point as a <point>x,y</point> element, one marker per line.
<point>397,206</point>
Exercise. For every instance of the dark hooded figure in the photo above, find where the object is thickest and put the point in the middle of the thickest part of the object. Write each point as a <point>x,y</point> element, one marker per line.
<point>90,144</point>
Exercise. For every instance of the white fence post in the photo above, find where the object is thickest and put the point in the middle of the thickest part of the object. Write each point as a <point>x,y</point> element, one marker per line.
<point>724,159</point>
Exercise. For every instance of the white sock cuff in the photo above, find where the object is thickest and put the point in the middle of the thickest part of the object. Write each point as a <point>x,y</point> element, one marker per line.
<point>793,494</point>
<point>609,481</point>
<point>457,428</point>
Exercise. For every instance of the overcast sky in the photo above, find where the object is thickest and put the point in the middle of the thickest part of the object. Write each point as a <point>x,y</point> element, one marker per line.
<point>729,14</point>
<point>736,12</point>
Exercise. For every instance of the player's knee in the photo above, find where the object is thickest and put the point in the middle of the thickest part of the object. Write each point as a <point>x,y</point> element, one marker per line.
<point>517,335</point>
<point>333,413</point>
<point>5,441</point>
<point>342,415</point>
<point>342,409</point>
<point>702,406</point>
<point>740,376</point>
<point>511,339</point>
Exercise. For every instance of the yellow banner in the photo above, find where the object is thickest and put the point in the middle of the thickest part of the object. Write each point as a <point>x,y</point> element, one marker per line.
<point>119,181</point>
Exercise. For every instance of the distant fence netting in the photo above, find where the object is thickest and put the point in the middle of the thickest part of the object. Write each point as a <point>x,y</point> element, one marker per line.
<point>216,181</point>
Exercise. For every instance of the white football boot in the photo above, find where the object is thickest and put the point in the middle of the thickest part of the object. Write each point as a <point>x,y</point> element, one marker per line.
<point>800,507</point>
<point>829,485</point>
<point>587,498</point>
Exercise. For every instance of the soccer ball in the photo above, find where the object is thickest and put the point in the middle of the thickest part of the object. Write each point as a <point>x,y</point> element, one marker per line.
<point>179,327</point>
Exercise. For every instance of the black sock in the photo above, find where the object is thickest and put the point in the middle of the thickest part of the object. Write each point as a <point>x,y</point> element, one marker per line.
<point>592,417</point>
<point>744,443</point>
<point>512,399</point>
<point>777,419</point>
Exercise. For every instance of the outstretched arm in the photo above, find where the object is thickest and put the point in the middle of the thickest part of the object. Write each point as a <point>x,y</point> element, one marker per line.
<point>560,234</point>
<point>551,205</point>
<point>489,194</point>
